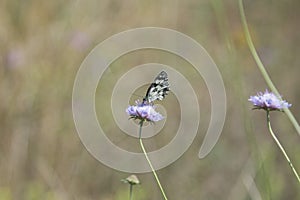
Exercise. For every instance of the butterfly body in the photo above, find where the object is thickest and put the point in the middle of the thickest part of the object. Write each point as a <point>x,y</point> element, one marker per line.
<point>158,89</point>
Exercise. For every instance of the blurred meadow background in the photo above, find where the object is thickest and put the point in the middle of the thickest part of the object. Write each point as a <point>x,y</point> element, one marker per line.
<point>43,44</point>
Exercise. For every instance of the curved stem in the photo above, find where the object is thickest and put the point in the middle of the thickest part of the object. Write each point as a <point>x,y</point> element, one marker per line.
<point>281,147</point>
<point>262,68</point>
<point>149,162</point>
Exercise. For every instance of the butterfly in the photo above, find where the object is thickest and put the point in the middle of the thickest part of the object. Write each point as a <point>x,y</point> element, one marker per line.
<point>158,89</point>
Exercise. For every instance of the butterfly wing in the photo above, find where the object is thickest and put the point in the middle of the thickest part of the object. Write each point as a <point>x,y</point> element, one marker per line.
<point>158,89</point>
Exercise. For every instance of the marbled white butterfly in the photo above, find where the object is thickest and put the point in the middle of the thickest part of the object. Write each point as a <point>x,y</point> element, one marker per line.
<point>158,89</point>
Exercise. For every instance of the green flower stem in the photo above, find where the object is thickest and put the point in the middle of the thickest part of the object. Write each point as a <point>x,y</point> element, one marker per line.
<point>281,147</point>
<point>262,68</point>
<point>148,160</point>
<point>130,192</point>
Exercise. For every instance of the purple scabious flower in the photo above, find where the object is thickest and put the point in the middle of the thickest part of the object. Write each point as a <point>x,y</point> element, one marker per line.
<point>268,101</point>
<point>144,112</point>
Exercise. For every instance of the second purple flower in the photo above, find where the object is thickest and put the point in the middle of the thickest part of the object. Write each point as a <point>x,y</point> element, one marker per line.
<point>268,101</point>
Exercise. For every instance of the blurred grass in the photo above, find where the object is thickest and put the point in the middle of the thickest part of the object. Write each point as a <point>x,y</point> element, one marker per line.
<point>42,46</point>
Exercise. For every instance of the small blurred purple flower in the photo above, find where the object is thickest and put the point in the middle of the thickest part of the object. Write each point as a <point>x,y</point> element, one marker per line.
<point>144,112</point>
<point>268,101</point>
<point>80,41</point>
<point>15,58</point>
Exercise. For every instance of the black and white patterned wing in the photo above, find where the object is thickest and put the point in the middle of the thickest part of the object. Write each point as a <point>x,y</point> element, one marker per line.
<point>158,89</point>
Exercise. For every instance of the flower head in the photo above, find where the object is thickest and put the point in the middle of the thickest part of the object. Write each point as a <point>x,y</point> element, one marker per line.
<point>268,101</point>
<point>132,180</point>
<point>144,112</point>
